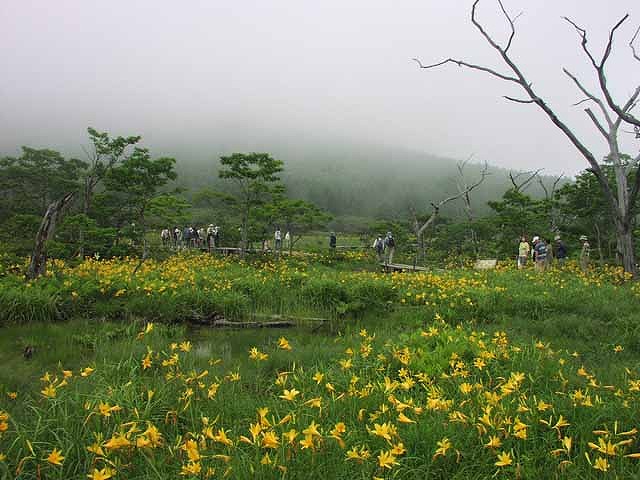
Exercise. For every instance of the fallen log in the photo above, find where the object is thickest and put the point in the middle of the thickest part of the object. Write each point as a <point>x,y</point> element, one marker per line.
<point>217,320</point>
<point>279,317</point>
<point>222,323</point>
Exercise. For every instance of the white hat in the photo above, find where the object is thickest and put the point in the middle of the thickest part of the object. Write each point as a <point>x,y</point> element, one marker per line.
<point>535,239</point>
<point>557,237</point>
<point>583,238</point>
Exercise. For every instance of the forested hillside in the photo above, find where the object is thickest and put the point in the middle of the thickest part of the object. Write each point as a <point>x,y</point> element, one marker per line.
<point>366,180</point>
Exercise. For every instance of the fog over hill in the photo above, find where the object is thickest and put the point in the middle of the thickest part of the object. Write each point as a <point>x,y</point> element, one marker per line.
<point>349,177</point>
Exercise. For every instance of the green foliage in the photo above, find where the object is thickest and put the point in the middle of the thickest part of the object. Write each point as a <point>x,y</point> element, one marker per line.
<point>255,178</point>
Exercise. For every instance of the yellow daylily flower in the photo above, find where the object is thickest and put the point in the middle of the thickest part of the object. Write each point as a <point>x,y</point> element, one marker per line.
<point>55,457</point>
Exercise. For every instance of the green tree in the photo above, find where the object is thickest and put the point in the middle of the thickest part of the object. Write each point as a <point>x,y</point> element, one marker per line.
<point>136,184</point>
<point>255,180</point>
<point>31,181</point>
<point>583,211</point>
<point>104,155</point>
<point>517,214</point>
<point>297,217</point>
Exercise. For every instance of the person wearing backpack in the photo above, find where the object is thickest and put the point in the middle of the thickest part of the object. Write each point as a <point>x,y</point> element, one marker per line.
<point>390,246</point>
<point>378,246</point>
<point>560,250</point>
<point>177,237</point>
<point>164,236</point>
<point>540,253</point>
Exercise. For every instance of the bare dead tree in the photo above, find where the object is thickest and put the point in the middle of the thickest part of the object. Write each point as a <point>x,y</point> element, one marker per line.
<point>464,188</point>
<point>622,201</point>
<point>520,185</point>
<point>549,195</point>
<point>420,227</point>
<point>55,211</point>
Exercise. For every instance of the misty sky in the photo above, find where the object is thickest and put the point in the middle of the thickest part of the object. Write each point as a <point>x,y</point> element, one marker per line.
<point>208,73</point>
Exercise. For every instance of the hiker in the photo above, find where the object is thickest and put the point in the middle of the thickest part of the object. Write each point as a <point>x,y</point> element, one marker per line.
<point>201,237</point>
<point>539,253</point>
<point>585,253</point>
<point>194,236</point>
<point>177,237</point>
<point>186,237</point>
<point>378,246</point>
<point>278,238</point>
<point>550,253</point>
<point>560,250</point>
<point>211,237</point>
<point>390,246</point>
<point>287,241</point>
<point>216,236</point>
<point>523,252</point>
<point>165,236</point>
<point>333,241</point>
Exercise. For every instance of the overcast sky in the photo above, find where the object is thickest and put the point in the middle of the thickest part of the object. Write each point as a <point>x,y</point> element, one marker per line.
<point>205,72</point>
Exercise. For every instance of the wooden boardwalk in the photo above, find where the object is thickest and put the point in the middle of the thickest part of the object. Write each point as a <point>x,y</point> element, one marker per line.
<point>401,267</point>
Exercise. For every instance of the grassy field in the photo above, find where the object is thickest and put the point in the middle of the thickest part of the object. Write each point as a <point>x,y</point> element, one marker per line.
<point>452,374</point>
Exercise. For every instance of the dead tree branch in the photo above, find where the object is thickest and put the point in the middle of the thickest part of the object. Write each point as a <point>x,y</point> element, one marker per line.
<point>462,63</point>
<point>621,200</point>
<point>549,194</point>
<point>420,229</point>
<point>600,67</point>
<point>466,189</point>
<point>527,87</point>
<point>519,187</point>
<point>633,49</point>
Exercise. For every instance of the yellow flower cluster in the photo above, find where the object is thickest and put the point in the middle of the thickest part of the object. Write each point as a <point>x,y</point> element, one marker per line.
<point>377,403</point>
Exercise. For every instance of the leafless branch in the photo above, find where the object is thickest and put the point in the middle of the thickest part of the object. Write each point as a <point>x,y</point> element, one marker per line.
<point>521,80</point>
<point>600,67</point>
<point>518,100</point>
<point>583,36</point>
<point>597,123</point>
<point>550,194</point>
<point>462,63</point>
<point>589,95</point>
<point>511,25</point>
<point>584,100</point>
<point>420,229</point>
<point>633,49</point>
<point>544,187</point>
<point>519,187</point>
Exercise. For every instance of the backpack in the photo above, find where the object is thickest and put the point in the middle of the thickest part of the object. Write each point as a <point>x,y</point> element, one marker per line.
<point>391,242</point>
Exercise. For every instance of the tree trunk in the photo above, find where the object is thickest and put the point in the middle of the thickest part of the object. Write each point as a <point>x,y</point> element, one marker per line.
<point>599,243</point>
<point>245,233</point>
<point>624,237</point>
<point>54,213</point>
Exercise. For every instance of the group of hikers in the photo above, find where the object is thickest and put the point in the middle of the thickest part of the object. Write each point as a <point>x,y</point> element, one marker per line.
<point>385,248</point>
<point>191,237</point>
<point>545,253</point>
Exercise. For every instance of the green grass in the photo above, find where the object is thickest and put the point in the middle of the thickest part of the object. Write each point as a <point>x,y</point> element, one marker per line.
<point>440,320</point>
